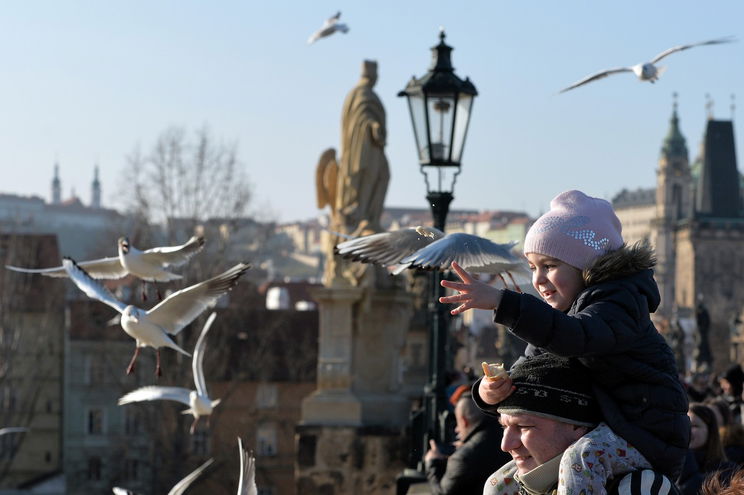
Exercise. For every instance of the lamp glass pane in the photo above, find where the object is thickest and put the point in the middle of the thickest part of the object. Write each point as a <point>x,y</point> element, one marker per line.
<point>464,105</point>
<point>441,109</point>
<point>418,119</point>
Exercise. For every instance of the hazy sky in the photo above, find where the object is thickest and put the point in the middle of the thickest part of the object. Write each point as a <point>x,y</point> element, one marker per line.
<point>84,82</point>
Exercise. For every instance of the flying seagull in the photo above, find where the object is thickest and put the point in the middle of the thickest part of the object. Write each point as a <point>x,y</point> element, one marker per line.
<point>149,265</point>
<point>330,26</point>
<point>429,248</point>
<point>9,430</point>
<point>153,327</point>
<point>198,400</point>
<point>647,71</point>
<point>247,483</point>
<point>180,487</point>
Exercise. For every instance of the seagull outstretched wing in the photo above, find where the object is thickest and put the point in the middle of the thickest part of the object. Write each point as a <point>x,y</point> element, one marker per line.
<point>598,75</point>
<point>471,252</point>
<point>679,48</point>
<point>247,483</point>
<point>90,286</point>
<point>388,248</point>
<point>174,255</point>
<point>108,268</point>
<point>181,487</point>
<point>197,363</point>
<point>180,308</point>
<point>154,392</point>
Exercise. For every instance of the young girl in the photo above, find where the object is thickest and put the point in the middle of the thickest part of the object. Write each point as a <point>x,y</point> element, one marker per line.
<point>599,294</point>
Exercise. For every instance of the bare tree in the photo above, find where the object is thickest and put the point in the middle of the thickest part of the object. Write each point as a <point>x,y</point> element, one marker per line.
<point>185,180</point>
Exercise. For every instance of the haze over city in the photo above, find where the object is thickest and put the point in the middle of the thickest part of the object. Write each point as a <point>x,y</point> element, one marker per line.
<point>85,83</point>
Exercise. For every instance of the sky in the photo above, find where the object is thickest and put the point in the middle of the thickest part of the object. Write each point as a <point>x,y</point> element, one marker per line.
<point>86,82</point>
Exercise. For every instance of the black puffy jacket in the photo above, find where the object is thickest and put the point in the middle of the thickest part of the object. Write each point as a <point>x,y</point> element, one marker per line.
<point>608,328</point>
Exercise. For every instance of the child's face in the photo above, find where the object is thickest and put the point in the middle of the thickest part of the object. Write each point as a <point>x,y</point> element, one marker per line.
<point>557,282</point>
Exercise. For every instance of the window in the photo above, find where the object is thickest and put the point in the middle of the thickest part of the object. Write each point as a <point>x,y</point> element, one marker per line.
<point>266,395</point>
<point>200,442</point>
<point>132,422</point>
<point>131,469</point>
<point>7,397</point>
<point>94,468</point>
<point>95,370</point>
<point>266,439</point>
<point>94,421</point>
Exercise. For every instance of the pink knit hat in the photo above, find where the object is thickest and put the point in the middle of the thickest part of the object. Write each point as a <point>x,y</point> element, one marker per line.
<point>576,230</point>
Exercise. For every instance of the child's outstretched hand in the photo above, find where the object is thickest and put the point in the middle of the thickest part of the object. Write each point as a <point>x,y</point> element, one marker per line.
<point>472,293</point>
<point>493,392</point>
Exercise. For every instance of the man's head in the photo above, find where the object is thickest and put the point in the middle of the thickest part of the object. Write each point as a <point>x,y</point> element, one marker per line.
<point>467,416</point>
<point>551,407</point>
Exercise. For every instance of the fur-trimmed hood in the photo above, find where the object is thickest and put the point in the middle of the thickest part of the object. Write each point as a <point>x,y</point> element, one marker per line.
<point>620,263</point>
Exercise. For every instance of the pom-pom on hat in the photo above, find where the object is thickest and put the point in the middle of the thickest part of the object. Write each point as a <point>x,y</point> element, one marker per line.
<point>552,387</point>
<point>577,229</point>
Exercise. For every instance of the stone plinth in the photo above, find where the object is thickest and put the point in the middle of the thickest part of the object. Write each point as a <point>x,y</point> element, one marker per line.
<point>362,333</point>
<point>351,438</point>
<point>344,460</point>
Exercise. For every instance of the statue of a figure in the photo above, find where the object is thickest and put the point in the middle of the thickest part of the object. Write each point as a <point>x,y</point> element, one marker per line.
<point>355,188</point>
<point>703,355</point>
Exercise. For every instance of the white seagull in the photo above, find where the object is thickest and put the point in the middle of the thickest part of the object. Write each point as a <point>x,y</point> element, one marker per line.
<point>180,487</point>
<point>149,265</point>
<point>429,248</point>
<point>247,483</point>
<point>647,71</point>
<point>330,26</point>
<point>154,327</point>
<point>9,430</point>
<point>198,400</point>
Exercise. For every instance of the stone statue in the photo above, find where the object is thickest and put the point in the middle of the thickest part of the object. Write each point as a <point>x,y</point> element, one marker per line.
<point>702,354</point>
<point>355,187</point>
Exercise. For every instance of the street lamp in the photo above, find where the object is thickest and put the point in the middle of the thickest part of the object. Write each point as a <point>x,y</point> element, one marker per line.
<point>440,104</point>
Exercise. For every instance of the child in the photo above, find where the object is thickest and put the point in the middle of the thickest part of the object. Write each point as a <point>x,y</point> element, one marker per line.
<point>599,293</point>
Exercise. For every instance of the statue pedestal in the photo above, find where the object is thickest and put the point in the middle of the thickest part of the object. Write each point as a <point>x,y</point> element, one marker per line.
<point>362,333</point>
<point>351,437</point>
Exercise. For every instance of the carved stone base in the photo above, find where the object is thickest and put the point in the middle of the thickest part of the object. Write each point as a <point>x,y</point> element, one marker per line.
<point>334,460</point>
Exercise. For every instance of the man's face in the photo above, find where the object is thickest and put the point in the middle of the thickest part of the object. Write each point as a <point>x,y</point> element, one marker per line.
<point>532,440</point>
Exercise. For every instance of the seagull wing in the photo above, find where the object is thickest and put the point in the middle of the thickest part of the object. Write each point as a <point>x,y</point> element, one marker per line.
<point>13,429</point>
<point>388,248</point>
<point>181,487</point>
<point>197,363</point>
<point>247,483</point>
<point>174,255</point>
<point>180,308</point>
<point>108,268</point>
<point>679,48</point>
<point>90,286</point>
<point>470,251</point>
<point>598,75</point>
<point>153,392</point>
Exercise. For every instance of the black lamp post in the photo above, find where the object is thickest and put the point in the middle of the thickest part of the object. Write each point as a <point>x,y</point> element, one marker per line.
<point>440,104</point>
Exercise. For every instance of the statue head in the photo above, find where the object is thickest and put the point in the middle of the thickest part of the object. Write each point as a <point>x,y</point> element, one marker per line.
<point>369,71</point>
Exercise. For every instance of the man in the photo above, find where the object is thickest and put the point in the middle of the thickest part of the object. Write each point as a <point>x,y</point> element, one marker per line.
<point>474,458</point>
<point>552,407</point>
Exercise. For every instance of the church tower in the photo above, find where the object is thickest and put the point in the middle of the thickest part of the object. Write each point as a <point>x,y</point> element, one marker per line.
<point>56,186</point>
<point>95,190</point>
<point>673,204</point>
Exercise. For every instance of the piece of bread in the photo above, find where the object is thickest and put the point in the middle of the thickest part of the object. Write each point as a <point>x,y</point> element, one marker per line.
<point>494,371</point>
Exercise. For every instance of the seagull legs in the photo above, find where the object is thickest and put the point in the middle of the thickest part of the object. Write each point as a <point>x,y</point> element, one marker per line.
<point>193,425</point>
<point>144,290</point>
<point>158,372</point>
<point>516,286</point>
<point>130,368</point>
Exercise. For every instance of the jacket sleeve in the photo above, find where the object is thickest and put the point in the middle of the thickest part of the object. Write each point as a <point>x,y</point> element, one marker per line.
<point>489,409</point>
<point>609,321</point>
